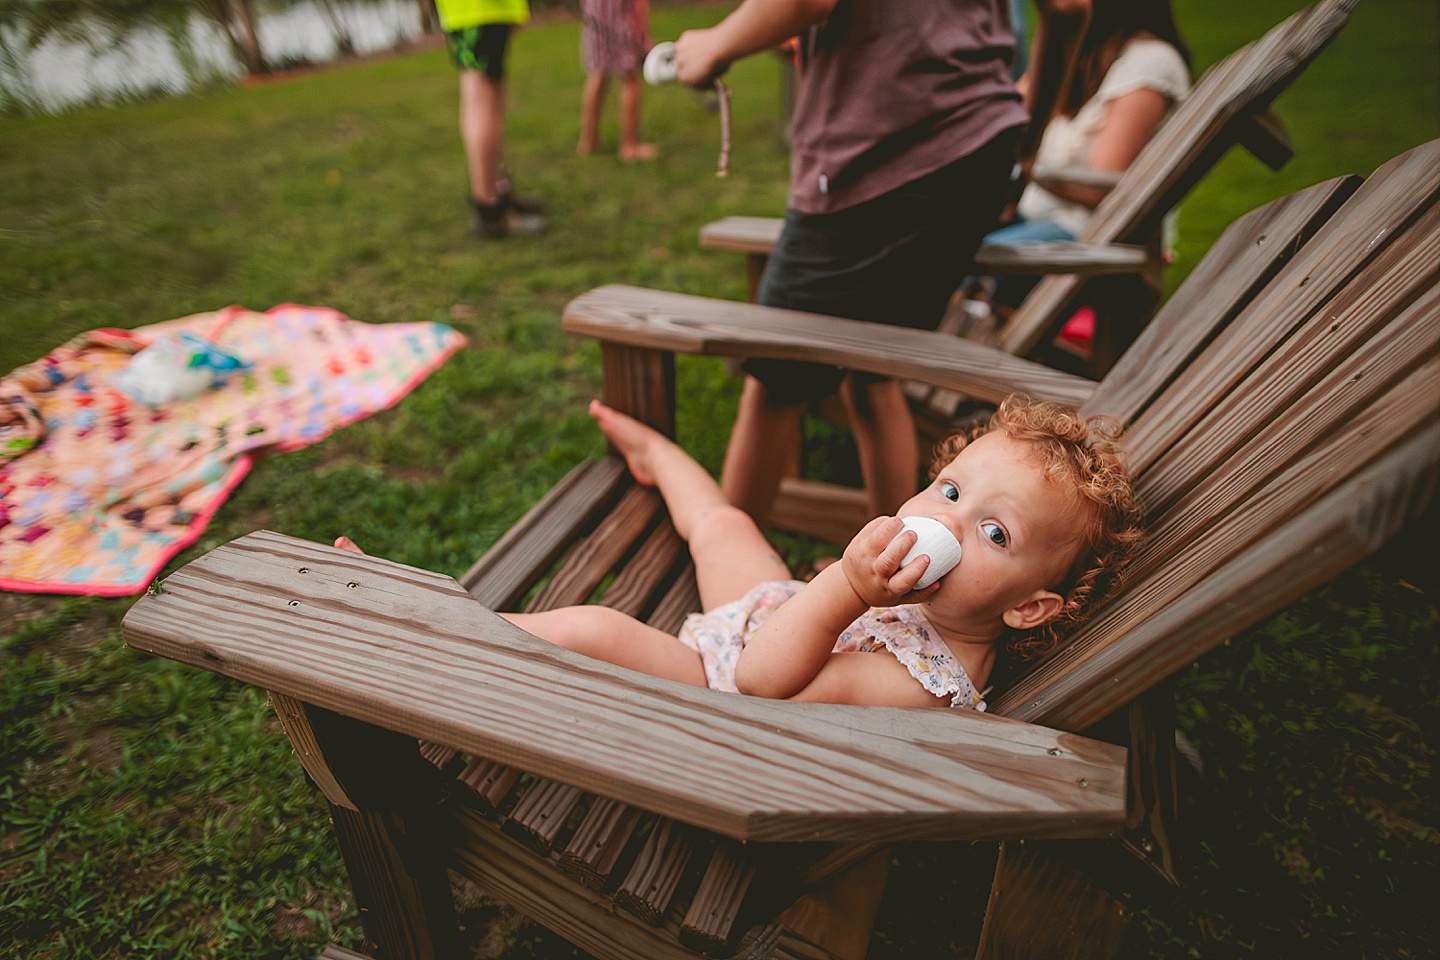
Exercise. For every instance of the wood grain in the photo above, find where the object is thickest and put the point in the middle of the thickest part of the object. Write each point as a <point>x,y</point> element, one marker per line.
<point>654,877</point>
<point>825,510</point>
<point>596,855</point>
<point>673,321</point>
<point>291,713</point>
<point>1076,176</point>
<point>1062,256</point>
<point>741,234</point>
<point>509,872</point>
<point>710,924</point>
<point>541,813</point>
<point>648,572</point>
<point>506,571</point>
<point>680,600</point>
<point>1081,921</point>
<point>488,783</point>
<point>597,556</point>
<point>411,651</point>
<point>1390,200</point>
<point>1244,258</point>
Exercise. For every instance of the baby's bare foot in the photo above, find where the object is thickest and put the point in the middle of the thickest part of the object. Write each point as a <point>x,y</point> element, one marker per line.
<point>345,543</point>
<point>631,437</point>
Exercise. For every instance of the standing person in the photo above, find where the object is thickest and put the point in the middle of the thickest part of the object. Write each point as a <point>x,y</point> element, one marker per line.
<point>903,143</point>
<point>477,33</point>
<point>614,39</point>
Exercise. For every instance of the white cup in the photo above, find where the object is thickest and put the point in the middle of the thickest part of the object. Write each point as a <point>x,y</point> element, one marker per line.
<point>935,540</point>
<point>660,64</point>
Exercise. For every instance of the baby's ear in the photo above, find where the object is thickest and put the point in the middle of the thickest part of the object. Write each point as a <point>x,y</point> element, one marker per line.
<point>1040,606</point>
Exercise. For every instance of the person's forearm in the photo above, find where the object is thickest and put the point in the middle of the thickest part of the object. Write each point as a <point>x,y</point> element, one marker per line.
<point>792,645</point>
<point>758,25</point>
<point>703,55</point>
<point>1057,42</point>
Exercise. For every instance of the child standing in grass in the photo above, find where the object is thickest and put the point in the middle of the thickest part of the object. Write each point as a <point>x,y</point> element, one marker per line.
<point>613,42</point>
<point>1041,507</point>
<point>477,34</point>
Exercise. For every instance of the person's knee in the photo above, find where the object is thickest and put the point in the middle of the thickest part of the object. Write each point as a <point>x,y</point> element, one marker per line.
<point>589,630</point>
<point>720,524</point>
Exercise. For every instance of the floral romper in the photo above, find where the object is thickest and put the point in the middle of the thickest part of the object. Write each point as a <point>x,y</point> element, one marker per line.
<point>720,635</point>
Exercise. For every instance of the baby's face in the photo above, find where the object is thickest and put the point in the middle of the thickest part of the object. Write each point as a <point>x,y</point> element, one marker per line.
<point>1018,532</point>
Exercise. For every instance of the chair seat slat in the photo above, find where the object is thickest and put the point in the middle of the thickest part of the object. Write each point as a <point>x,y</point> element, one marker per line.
<point>597,556</point>
<point>507,570</point>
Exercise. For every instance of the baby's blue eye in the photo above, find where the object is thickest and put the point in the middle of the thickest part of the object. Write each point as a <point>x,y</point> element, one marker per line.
<point>949,491</point>
<point>995,533</point>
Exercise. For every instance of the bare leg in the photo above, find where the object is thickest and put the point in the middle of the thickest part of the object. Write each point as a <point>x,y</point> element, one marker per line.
<point>631,148</point>
<point>885,440</point>
<point>731,554</point>
<point>592,101</point>
<point>605,634</point>
<point>759,450</point>
<point>482,131</point>
<point>609,635</point>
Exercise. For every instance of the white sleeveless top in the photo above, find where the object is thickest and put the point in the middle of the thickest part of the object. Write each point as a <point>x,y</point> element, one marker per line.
<point>1143,64</point>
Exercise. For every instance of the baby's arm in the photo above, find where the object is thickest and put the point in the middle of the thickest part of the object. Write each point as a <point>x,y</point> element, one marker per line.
<point>867,679</point>
<point>798,640</point>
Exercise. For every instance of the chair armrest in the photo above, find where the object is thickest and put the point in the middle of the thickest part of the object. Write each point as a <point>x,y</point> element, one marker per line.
<point>1062,256</point>
<point>411,651</point>
<point>659,320</point>
<point>752,235</point>
<point>1076,176</point>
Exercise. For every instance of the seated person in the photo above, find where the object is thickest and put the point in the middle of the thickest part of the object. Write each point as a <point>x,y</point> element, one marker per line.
<point>1037,500</point>
<point>1133,67</point>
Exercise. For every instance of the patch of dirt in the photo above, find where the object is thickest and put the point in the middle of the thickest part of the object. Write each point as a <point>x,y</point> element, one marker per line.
<point>16,608</point>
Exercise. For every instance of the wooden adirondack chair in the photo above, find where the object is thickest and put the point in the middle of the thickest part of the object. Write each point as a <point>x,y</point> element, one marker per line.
<point>1115,262</point>
<point>1229,106</point>
<point>1283,423</point>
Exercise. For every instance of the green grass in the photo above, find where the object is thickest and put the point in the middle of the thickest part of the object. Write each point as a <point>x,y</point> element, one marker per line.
<point>151,810</point>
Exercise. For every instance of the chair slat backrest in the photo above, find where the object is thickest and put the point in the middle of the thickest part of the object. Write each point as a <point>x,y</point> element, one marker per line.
<point>1261,450</point>
<point>1183,150</point>
<point>1244,258</point>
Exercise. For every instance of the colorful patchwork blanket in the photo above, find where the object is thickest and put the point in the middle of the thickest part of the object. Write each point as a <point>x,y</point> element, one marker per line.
<point>98,489</point>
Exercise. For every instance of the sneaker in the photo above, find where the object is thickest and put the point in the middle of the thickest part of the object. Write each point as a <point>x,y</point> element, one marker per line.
<point>524,202</point>
<point>504,219</point>
<point>527,202</point>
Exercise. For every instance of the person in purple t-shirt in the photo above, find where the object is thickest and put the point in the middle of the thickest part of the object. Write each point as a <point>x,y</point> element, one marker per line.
<point>906,132</point>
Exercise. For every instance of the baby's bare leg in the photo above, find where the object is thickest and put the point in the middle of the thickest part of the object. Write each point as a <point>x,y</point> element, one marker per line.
<point>731,554</point>
<point>607,635</point>
<point>612,636</point>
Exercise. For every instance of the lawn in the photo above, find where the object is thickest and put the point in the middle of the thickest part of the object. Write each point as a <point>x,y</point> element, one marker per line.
<point>151,810</point>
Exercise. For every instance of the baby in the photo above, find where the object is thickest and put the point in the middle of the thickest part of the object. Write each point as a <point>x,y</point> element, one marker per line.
<point>1037,499</point>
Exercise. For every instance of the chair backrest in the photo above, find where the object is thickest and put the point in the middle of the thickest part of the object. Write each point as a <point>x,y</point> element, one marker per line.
<point>1219,112</point>
<point>1277,435</point>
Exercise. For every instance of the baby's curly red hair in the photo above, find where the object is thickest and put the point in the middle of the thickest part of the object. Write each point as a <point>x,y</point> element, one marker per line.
<point>1083,453</point>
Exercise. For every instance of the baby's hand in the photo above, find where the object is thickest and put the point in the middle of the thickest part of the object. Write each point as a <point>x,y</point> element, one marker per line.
<point>872,564</point>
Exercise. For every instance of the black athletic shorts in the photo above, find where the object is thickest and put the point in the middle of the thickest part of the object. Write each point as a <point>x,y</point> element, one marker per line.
<point>895,259</point>
<point>480,48</point>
